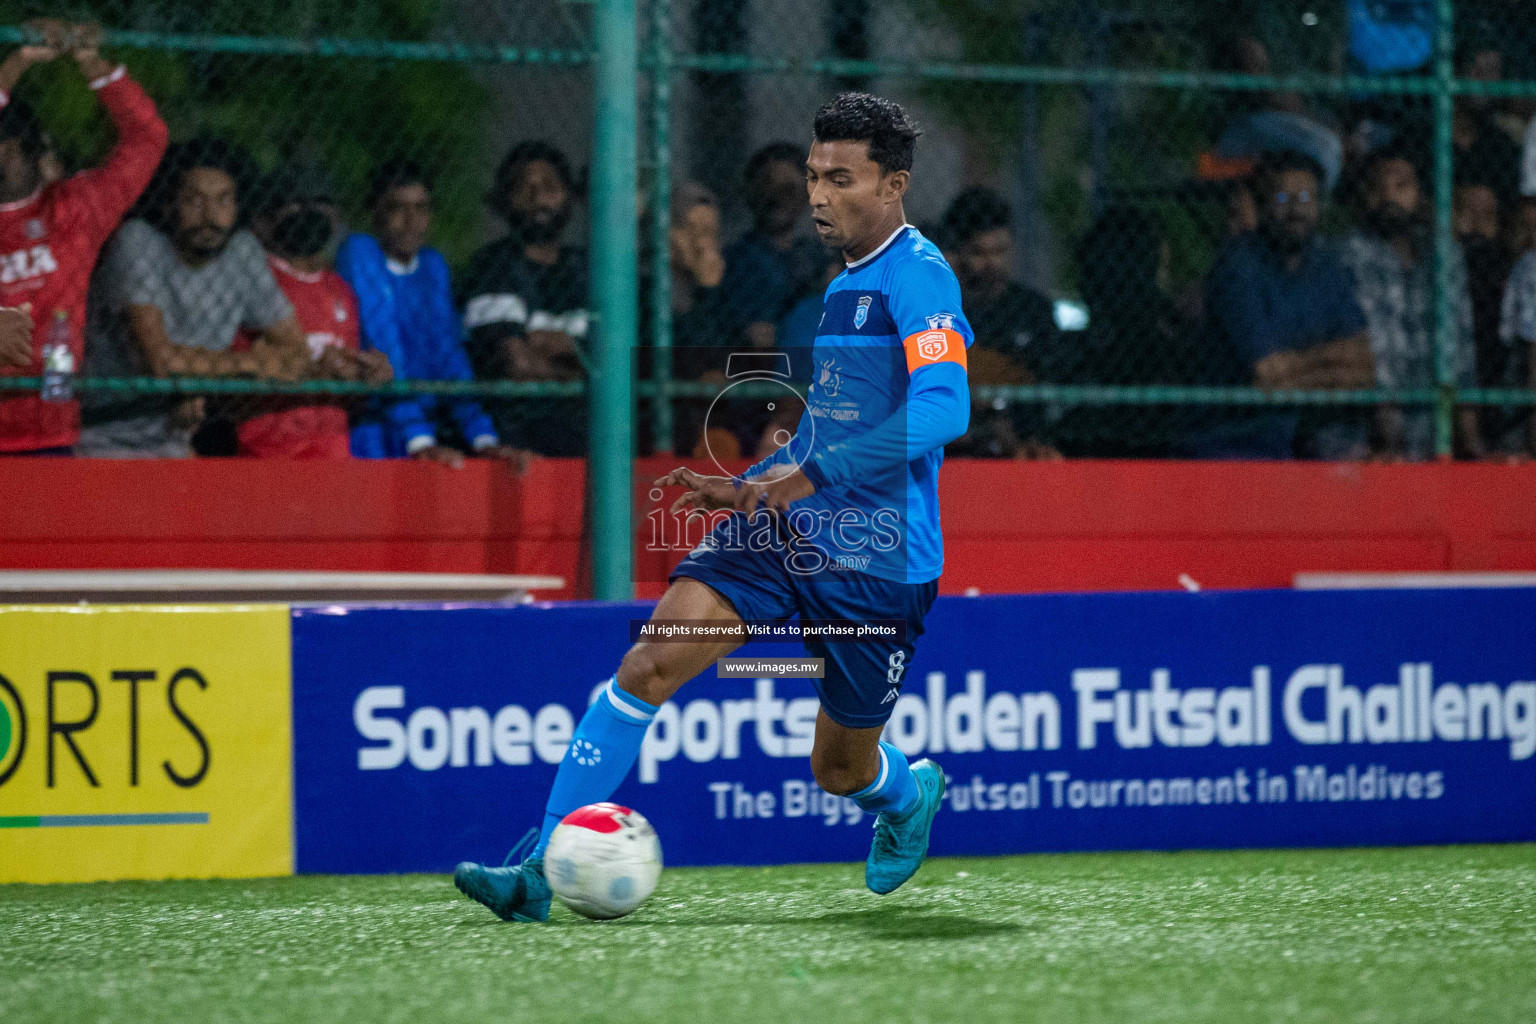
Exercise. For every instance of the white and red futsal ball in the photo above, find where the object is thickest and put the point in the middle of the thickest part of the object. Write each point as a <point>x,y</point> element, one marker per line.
<point>603,860</point>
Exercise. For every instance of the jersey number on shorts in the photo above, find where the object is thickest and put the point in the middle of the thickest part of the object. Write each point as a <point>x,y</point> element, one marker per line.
<point>895,667</point>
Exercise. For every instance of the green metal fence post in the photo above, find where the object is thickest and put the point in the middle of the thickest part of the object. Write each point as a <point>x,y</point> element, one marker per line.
<point>661,223</point>
<point>610,397</point>
<point>1445,322</point>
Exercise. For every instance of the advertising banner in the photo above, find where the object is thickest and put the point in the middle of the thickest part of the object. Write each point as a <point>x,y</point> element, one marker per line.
<point>144,742</point>
<point>425,736</point>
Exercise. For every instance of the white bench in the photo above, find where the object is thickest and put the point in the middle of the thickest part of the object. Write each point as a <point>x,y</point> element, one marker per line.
<point>173,586</point>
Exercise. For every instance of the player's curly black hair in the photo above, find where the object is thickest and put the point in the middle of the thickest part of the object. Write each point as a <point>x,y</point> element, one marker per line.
<point>862,117</point>
<point>155,205</point>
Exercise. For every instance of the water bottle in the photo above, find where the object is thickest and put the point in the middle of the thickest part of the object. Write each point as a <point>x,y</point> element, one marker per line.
<point>58,361</point>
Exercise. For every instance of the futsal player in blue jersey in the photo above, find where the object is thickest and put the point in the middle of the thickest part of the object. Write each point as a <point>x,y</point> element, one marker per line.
<point>852,500</point>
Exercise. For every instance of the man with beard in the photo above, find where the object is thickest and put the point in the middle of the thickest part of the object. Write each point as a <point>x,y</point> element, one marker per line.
<point>51,229</point>
<point>1390,256</point>
<point>405,302</point>
<point>1285,304</point>
<point>295,220</point>
<point>173,289</point>
<point>525,299</point>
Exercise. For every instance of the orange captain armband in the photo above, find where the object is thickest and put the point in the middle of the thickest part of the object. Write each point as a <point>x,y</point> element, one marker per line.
<point>939,345</point>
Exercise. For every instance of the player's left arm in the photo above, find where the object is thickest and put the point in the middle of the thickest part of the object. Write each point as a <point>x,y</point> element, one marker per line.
<point>925,305</point>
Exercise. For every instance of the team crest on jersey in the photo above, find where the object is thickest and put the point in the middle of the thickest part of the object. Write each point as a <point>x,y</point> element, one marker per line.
<point>933,345</point>
<point>35,229</point>
<point>942,322</point>
<point>862,315</point>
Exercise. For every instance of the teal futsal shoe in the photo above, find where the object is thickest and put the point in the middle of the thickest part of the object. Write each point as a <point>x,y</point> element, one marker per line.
<point>517,893</point>
<point>901,843</point>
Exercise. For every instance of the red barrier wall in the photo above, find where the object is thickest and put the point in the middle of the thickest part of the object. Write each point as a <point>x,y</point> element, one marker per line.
<point>1008,526</point>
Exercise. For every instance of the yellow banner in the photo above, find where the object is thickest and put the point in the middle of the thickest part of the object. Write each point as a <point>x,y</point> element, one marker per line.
<point>144,742</point>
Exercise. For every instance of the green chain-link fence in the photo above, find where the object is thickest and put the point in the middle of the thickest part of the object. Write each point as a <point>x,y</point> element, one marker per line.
<point>1096,173</point>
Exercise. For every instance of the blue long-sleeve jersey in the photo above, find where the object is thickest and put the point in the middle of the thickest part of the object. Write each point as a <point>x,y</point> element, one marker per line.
<point>408,314</point>
<point>889,390</point>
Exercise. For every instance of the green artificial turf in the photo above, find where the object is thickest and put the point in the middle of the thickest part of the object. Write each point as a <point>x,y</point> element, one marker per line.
<point>1443,934</point>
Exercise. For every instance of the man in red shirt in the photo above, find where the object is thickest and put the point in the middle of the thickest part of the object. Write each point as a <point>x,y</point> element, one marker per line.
<point>296,219</point>
<point>50,234</point>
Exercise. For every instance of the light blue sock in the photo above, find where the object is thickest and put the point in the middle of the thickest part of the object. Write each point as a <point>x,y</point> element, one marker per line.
<point>603,750</point>
<point>894,790</point>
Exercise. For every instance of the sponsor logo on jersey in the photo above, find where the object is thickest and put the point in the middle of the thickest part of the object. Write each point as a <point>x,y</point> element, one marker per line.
<point>862,314</point>
<point>829,380</point>
<point>27,264</point>
<point>942,322</point>
<point>933,345</point>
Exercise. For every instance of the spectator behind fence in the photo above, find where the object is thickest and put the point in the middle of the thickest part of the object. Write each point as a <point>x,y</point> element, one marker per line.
<point>173,289</point>
<point>525,295</point>
<point>52,231</point>
<point>405,302</point>
<point>1484,228</point>
<point>1285,305</point>
<point>1481,146</point>
<point>1391,258</point>
<point>772,265</point>
<point>1271,121</point>
<point>1518,331</point>
<point>1015,326</point>
<point>296,219</point>
<point>698,329</point>
<point>1136,335</point>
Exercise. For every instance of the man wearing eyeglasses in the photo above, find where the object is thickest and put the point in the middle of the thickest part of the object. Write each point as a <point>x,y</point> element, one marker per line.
<point>1286,305</point>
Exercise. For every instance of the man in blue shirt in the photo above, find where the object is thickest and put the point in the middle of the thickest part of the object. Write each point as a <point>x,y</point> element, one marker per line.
<point>1286,304</point>
<point>841,523</point>
<point>405,303</point>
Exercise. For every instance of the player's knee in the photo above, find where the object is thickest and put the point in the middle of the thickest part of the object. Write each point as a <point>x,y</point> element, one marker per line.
<point>642,674</point>
<point>837,774</point>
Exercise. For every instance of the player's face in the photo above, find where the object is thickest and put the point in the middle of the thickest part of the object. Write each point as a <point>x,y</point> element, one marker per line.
<point>404,218</point>
<point>850,195</point>
<point>207,207</point>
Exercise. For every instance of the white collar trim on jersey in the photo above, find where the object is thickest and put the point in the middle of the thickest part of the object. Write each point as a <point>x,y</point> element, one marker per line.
<point>883,246</point>
<point>19,204</point>
<point>402,269</point>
